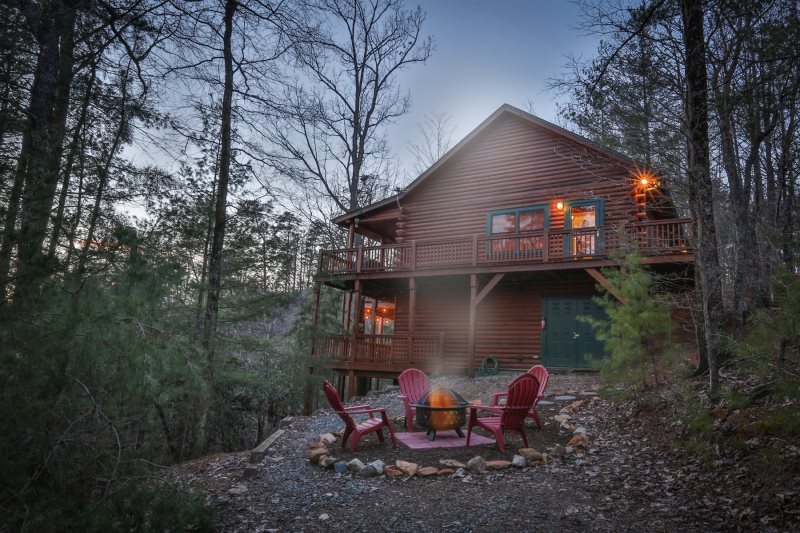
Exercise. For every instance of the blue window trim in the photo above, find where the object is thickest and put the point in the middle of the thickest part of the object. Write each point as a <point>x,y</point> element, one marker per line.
<point>516,211</point>
<point>600,214</point>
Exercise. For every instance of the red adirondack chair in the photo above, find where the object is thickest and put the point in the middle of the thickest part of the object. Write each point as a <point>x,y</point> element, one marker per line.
<point>543,376</point>
<point>372,424</point>
<point>521,395</point>
<point>413,385</point>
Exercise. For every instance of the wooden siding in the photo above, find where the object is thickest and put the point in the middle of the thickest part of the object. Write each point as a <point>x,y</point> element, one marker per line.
<point>513,163</point>
<point>508,319</point>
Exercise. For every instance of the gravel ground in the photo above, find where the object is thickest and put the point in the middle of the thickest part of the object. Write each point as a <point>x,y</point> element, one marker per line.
<point>624,482</point>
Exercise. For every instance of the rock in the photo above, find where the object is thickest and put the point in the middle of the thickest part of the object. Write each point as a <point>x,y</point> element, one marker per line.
<point>328,438</point>
<point>355,466</point>
<point>561,418</point>
<point>408,469</point>
<point>378,465</point>
<point>460,473</point>
<point>519,461</point>
<point>475,402</point>
<point>445,472</point>
<point>588,393</point>
<point>579,431</point>
<point>530,454</point>
<point>498,465</point>
<point>249,471</point>
<point>328,462</point>
<point>313,445</point>
<point>559,450</point>
<point>324,516</point>
<point>369,471</point>
<point>580,442</point>
<point>340,467</point>
<point>574,406</point>
<point>426,471</point>
<point>564,398</point>
<point>545,403</point>
<point>393,471</point>
<point>476,465</point>
<point>240,488</point>
<point>569,450</point>
<point>315,455</point>
<point>451,463</point>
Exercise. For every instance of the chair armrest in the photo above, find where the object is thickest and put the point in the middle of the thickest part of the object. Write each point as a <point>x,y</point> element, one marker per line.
<point>496,397</point>
<point>367,410</point>
<point>357,408</point>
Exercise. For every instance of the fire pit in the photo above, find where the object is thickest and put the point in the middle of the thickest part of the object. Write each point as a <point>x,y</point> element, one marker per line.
<point>441,409</point>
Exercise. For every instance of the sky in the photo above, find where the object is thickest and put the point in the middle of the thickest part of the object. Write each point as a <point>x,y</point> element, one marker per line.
<point>488,53</point>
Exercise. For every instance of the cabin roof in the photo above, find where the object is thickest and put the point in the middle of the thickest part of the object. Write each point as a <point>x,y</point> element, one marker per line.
<point>501,111</point>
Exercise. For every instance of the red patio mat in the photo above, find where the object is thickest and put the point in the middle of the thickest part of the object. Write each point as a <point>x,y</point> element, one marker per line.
<point>444,439</point>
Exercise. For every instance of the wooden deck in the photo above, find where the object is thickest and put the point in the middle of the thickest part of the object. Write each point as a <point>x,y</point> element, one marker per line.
<point>385,353</point>
<point>657,241</point>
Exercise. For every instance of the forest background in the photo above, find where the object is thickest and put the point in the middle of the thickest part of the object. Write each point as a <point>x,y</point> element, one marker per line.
<point>133,341</point>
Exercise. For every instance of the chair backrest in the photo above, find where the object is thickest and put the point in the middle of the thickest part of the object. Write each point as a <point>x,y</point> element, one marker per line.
<point>413,384</point>
<point>542,375</point>
<point>336,403</point>
<point>521,394</point>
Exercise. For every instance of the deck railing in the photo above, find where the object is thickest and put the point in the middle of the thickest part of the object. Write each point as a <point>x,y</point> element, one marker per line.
<point>410,350</point>
<point>654,237</point>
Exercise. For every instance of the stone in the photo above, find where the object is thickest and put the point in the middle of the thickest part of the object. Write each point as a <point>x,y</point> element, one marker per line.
<point>426,471</point>
<point>476,465</point>
<point>408,469</point>
<point>500,464</point>
<point>328,462</point>
<point>451,463</point>
<point>324,516</point>
<point>460,473</point>
<point>368,471</point>
<point>328,438</point>
<point>249,471</point>
<point>573,407</point>
<point>559,450</point>
<point>340,467</point>
<point>393,471</point>
<point>579,431</point>
<point>355,466</point>
<point>313,445</point>
<point>580,442</point>
<point>569,450</point>
<point>519,461</point>
<point>315,455</point>
<point>445,472</point>
<point>588,393</point>
<point>564,398</point>
<point>561,418</point>
<point>545,403</point>
<point>530,454</point>
<point>378,465</point>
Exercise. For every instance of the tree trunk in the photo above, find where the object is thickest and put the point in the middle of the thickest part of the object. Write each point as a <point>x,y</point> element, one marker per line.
<point>40,157</point>
<point>699,174</point>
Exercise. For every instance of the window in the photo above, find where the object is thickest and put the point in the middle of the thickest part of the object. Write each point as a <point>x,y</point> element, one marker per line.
<point>513,221</point>
<point>585,216</point>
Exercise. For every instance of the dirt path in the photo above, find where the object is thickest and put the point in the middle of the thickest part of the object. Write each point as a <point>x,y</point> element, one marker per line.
<point>623,482</point>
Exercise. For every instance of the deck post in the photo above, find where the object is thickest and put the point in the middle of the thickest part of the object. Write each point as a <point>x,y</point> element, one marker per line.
<point>355,314</point>
<point>413,265</point>
<point>473,308</point>
<point>412,310</point>
<point>474,249</point>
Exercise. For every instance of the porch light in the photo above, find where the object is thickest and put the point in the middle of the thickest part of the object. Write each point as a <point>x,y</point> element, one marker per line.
<point>645,182</point>
<point>560,206</point>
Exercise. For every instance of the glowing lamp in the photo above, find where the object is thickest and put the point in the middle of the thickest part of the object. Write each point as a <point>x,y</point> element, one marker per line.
<point>559,205</point>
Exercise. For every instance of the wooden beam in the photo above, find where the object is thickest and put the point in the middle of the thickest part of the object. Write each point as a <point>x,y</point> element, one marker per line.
<point>473,308</point>
<point>488,288</point>
<point>412,307</point>
<point>603,281</point>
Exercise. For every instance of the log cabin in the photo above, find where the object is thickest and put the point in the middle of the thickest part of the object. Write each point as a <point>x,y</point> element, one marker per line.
<point>490,255</point>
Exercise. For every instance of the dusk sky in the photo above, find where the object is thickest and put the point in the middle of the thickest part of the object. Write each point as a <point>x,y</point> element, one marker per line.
<point>489,53</point>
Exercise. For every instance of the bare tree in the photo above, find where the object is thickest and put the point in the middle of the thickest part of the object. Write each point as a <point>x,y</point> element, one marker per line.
<point>435,139</point>
<point>329,132</point>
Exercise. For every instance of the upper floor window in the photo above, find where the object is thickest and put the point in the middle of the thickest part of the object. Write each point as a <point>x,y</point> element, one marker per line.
<point>519,220</point>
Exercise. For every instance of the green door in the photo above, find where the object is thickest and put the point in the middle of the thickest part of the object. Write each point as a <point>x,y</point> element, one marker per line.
<point>567,341</point>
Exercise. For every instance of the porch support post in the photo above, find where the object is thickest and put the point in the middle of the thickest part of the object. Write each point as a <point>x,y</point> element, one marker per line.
<point>412,310</point>
<point>603,281</point>
<point>351,384</point>
<point>352,327</point>
<point>475,298</point>
<point>308,392</point>
<point>473,307</point>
